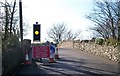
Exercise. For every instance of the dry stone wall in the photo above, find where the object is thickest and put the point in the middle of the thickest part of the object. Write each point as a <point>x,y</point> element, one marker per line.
<point>66,44</point>
<point>109,52</point>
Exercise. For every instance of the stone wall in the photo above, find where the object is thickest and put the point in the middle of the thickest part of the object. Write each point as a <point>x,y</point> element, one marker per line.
<point>66,44</point>
<point>109,52</point>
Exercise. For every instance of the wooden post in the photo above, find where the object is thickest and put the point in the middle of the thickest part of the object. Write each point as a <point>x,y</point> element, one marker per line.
<point>21,28</point>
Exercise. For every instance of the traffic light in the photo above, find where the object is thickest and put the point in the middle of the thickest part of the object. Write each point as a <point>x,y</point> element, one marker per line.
<point>36,32</point>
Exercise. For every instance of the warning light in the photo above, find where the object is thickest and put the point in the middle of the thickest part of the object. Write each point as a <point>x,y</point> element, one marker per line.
<point>36,32</point>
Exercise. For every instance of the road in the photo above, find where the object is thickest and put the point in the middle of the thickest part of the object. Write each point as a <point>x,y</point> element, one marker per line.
<point>71,63</point>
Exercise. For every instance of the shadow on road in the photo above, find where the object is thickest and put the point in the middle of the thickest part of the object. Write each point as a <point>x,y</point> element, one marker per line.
<point>65,66</point>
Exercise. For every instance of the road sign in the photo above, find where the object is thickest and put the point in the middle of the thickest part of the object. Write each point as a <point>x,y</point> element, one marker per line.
<point>40,51</point>
<point>36,32</point>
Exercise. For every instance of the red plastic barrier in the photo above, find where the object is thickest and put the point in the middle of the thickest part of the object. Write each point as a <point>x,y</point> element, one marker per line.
<point>40,51</point>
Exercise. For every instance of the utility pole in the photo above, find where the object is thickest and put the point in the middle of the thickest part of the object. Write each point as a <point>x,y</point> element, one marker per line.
<point>21,30</point>
<point>21,24</point>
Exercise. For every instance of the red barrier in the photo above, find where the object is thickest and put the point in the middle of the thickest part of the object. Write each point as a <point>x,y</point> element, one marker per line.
<point>40,51</point>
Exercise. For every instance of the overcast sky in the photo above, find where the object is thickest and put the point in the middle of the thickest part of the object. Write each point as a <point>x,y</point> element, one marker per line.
<point>49,12</point>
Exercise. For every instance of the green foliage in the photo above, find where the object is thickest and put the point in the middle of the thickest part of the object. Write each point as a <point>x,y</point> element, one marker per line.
<point>11,42</point>
<point>11,55</point>
<point>111,41</point>
<point>99,41</point>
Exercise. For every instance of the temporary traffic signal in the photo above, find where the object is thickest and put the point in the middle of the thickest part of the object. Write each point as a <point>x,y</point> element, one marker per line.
<point>36,32</point>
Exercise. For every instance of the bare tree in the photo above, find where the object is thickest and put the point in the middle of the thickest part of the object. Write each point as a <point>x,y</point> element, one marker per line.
<point>105,17</point>
<point>72,36</point>
<point>57,32</point>
<point>26,27</point>
<point>118,17</point>
<point>9,18</point>
<point>12,15</point>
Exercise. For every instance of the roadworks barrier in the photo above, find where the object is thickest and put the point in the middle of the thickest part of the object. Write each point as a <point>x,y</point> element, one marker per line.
<point>57,54</point>
<point>51,59</point>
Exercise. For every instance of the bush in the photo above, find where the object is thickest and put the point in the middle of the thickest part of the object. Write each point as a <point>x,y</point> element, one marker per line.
<point>11,55</point>
<point>11,42</point>
<point>111,41</point>
<point>99,41</point>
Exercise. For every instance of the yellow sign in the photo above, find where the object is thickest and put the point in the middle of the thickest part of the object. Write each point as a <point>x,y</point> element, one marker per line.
<point>36,32</point>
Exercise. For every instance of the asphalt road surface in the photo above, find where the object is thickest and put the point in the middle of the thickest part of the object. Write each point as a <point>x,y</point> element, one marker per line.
<point>71,63</point>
